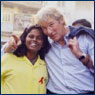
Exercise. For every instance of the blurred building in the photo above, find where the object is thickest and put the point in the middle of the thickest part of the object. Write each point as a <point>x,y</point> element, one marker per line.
<point>74,10</point>
<point>16,15</point>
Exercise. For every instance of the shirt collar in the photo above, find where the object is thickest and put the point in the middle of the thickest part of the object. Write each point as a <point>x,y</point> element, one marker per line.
<point>38,62</point>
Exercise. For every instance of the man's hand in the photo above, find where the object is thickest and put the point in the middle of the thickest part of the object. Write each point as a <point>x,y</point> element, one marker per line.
<point>12,43</point>
<point>74,46</point>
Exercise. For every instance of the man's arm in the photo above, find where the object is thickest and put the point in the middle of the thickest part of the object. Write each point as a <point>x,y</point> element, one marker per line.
<point>84,58</point>
<point>11,45</point>
<point>3,49</point>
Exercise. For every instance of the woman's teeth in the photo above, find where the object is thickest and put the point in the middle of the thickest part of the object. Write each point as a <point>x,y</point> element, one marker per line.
<point>33,44</point>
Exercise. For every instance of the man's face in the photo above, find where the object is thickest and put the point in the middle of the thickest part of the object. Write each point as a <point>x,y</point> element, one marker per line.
<point>53,29</point>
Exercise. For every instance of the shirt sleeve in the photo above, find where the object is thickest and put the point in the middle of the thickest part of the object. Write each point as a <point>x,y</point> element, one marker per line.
<point>4,59</point>
<point>3,68</point>
<point>3,49</point>
<point>91,50</point>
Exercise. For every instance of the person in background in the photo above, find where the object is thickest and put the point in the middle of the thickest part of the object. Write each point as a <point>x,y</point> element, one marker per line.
<point>24,71</point>
<point>82,22</point>
<point>70,61</point>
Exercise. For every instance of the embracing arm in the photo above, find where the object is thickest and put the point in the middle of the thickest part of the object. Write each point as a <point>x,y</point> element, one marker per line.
<point>11,45</point>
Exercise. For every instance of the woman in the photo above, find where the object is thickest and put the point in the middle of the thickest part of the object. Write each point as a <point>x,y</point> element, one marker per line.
<point>24,71</point>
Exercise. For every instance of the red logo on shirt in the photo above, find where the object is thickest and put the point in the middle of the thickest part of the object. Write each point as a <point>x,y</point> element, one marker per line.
<point>41,80</point>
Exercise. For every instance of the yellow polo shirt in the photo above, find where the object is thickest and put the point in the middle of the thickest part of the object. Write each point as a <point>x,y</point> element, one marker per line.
<point>19,76</point>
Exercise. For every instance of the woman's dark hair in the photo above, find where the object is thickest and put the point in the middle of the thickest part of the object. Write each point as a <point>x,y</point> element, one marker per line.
<point>22,49</point>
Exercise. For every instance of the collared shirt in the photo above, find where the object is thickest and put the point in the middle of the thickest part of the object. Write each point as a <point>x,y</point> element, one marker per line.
<point>67,74</point>
<point>19,76</point>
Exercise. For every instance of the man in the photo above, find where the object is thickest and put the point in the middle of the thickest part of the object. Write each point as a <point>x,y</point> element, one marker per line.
<point>82,22</point>
<point>70,62</point>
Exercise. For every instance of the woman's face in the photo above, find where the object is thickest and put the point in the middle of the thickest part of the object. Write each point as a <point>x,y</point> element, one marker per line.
<point>34,40</point>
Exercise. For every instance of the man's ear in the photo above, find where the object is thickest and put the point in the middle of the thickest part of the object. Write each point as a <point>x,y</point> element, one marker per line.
<point>62,21</point>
